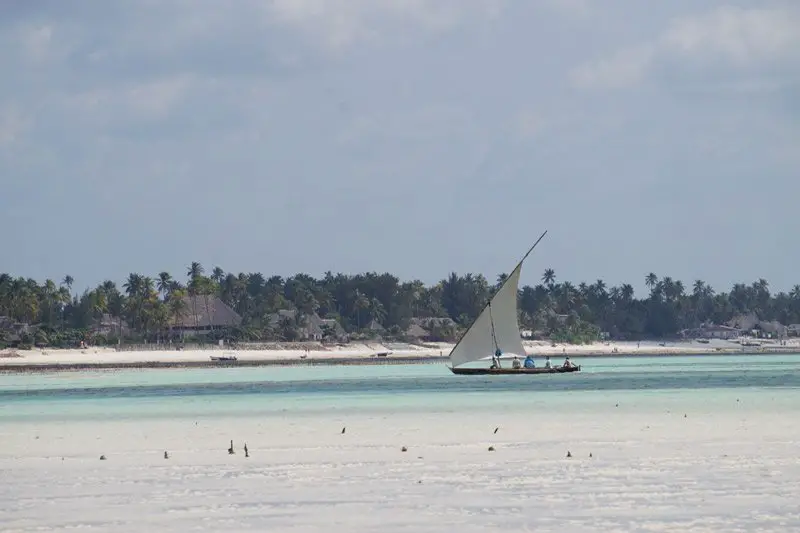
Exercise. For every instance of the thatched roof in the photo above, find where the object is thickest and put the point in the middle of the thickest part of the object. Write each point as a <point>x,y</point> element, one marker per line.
<point>772,326</point>
<point>310,324</point>
<point>742,321</point>
<point>205,312</point>
<point>109,320</point>
<point>433,321</point>
<point>415,330</point>
<point>374,325</point>
<point>332,323</point>
<point>9,324</point>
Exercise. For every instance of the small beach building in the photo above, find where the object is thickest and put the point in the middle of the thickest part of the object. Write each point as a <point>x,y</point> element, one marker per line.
<point>203,314</point>
<point>772,329</point>
<point>714,331</point>
<point>109,325</point>
<point>431,329</point>
<point>308,327</point>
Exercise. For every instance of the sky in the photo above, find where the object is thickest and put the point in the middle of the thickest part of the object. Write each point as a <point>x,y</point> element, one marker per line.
<point>417,137</point>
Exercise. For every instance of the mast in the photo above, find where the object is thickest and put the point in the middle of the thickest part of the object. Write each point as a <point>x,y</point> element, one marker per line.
<point>489,303</point>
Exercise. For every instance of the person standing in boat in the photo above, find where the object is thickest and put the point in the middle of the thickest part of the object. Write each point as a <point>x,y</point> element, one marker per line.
<point>529,362</point>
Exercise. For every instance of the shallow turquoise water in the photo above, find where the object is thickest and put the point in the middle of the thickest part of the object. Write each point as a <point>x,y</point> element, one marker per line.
<point>647,381</point>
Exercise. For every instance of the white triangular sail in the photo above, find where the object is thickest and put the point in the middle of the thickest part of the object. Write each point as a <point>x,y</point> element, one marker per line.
<point>496,326</point>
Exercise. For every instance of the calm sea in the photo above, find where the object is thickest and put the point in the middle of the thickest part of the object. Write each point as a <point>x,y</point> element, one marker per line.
<point>648,382</point>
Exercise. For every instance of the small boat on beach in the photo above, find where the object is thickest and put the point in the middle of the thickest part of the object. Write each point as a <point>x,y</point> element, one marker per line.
<point>496,330</point>
<point>224,358</point>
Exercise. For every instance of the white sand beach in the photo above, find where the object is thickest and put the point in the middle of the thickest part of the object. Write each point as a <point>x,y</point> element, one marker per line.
<point>720,468</point>
<point>366,352</point>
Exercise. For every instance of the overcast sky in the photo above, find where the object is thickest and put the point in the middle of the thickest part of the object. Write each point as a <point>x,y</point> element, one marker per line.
<point>413,136</point>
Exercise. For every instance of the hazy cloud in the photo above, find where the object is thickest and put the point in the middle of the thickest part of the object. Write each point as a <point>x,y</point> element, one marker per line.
<point>727,37</point>
<point>417,136</point>
<point>341,23</point>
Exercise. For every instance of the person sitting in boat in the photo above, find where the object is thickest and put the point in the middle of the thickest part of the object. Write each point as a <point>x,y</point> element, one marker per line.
<point>529,362</point>
<point>567,363</point>
<point>547,363</point>
<point>515,364</point>
<point>496,358</point>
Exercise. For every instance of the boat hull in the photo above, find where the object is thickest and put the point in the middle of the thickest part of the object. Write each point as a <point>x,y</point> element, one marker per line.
<point>514,371</point>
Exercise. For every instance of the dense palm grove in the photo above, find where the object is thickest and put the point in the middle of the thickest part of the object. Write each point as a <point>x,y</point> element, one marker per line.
<point>150,306</point>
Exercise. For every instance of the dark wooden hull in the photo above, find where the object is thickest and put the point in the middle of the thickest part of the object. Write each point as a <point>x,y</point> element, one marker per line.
<point>514,371</point>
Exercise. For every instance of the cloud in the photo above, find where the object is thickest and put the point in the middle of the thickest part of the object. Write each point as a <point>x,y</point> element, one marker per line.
<point>231,130</point>
<point>574,8</point>
<point>726,38</point>
<point>109,70</point>
<point>528,124</point>
<point>623,69</point>
<point>737,35</point>
<point>338,24</point>
<point>148,100</point>
<point>37,42</point>
<point>12,124</point>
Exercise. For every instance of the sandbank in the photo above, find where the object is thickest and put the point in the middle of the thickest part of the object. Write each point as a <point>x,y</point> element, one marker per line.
<point>702,468</point>
<point>156,356</point>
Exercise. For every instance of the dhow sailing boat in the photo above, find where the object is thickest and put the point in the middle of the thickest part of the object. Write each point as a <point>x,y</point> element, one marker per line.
<point>497,329</point>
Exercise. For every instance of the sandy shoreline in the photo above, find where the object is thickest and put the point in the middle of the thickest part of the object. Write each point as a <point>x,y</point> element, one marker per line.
<point>350,354</point>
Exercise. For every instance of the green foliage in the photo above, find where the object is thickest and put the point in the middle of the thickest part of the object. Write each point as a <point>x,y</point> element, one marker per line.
<point>578,332</point>
<point>40,338</point>
<point>146,308</point>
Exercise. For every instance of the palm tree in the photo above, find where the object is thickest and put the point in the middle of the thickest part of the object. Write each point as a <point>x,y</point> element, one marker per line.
<point>549,278</point>
<point>501,278</point>
<point>50,292</point>
<point>626,292</point>
<point>99,304</point>
<point>5,293</point>
<point>650,281</point>
<point>194,270</point>
<point>360,303</point>
<point>133,285</point>
<point>164,284</point>
<point>148,287</point>
<point>177,309</point>
<point>377,311</point>
<point>795,294</point>
<point>218,274</point>
<point>698,289</point>
<point>63,298</point>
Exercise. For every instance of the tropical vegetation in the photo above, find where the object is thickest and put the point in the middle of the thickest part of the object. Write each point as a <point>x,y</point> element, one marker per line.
<point>560,310</point>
